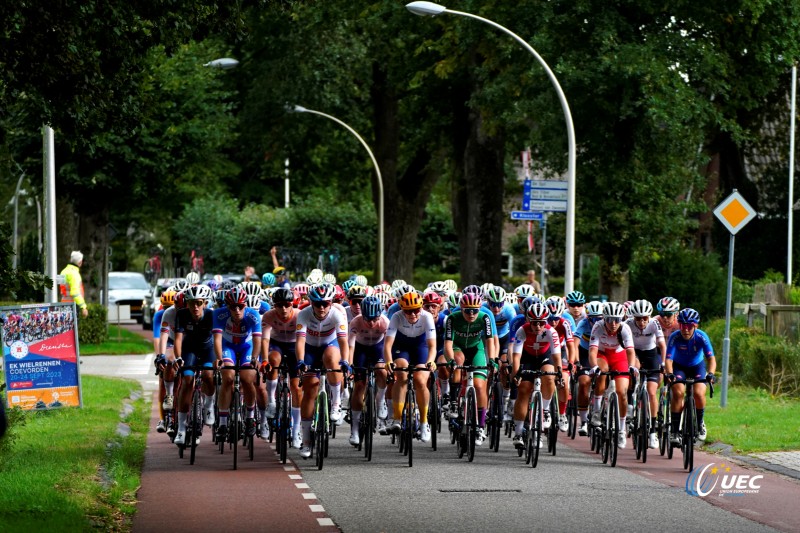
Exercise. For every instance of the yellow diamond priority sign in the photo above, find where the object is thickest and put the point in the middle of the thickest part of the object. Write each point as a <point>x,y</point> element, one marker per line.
<point>734,212</point>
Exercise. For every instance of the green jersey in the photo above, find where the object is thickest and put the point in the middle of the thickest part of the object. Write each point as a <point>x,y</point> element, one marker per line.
<point>465,335</point>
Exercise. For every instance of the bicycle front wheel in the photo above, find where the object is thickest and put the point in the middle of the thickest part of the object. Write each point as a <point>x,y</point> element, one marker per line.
<point>613,410</point>
<point>233,426</point>
<point>284,423</point>
<point>434,417</point>
<point>368,422</point>
<point>472,424</point>
<point>644,426</point>
<point>195,423</point>
<point>536,428</point>
<point>688,432</point>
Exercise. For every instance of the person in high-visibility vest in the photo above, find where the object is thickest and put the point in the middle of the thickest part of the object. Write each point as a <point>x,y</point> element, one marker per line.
<point>72,287</point>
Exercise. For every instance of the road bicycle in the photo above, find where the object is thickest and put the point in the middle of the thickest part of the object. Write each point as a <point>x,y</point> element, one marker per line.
<point>609,419</point>
<point>534,419</point>
<point>572,404</point>
<point>494,413</point>
<point>321,419</point>
<point>664,420</point>
<point>434,409</point>
<point>689,426</point>
<point>152,267</point>
<point>641,423</point>
<point>280,427</point>
<point>368,421</point>
<point>194,418</point>
<point>464,427</point>
<point>410,425</point>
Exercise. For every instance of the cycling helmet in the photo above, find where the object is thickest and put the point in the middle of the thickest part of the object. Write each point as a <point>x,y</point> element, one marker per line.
<point>384,297</point>
<point>329,278</point>
<point>511,298</point>
<point>473,289</point>
<point>537,311</point>
<point>180,285</point>
<point>219,297</point>
<point>283,296</point>
<point>371,308</point>
<point>555,304</point>
<point>218,278</point>
<point>347,284</point>
<point>369,290</point>
<point>470,300</point>
<point>314,277</point>
<point>451,285</point>
<point>338,294</point>
<point>454,298</point>
<point>180,299</point>
<point>279,271</point>
<point>302,289</point>
<point>356,291</point>
<point>688,316</point>
<point>266,294</point>
<point>402,290</point>
<point>576,297</point>
<point>668,304</point>
<point>253,301</point>
<point>439,287</point>
<point>485,288</point>
<point>324,292</point>
<point>361,280</point>
<point>495,294</point>
<point>252,288</point>
<point>268,279</point>
<point>398,283</point>
<point>526,303</point>
<point>192,278</point>
<point>594,308</point>
<point>641,308</point>
<point>613,310</point>
<point>227,285</point>
<point>198,292</point>
<point>385,287</point>
<point>410,301</point>
<point>168,298</point>
<point>525,290</point>
<point>432,297</point>
<point>236,296</point>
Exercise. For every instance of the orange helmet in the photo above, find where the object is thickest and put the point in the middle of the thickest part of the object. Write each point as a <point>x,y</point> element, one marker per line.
<point>168,298</point>
<point>410,301</point>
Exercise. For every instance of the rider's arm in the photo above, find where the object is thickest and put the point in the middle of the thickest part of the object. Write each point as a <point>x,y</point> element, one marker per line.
<point>162,341</point>
<point>266,330</point>
<point>516,351</point>
<point>431,350</point>
<point>178,346</point>
<point>218,346</point>
<point>555,348</point>
<point>387,350</point>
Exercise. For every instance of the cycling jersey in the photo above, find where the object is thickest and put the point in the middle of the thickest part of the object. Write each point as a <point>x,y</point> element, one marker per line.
<point>569,318</point>
<point>647,338</point>
<point>393,309</point>
<point>502,319</point>
<point>167,323</point>
<point>320,332</point>
<point>517,322</point>
<point>612,346</point>
<point>667,330</point>
<point>529,343</point>
<point>583,332</point>
<point>197,347</point>
<point>245,332</point>
<point>363,334</point>
<point>466,335</point>
<point>350,314</point>
<point>410,340</point>
<point>282,337</point>
<point>263,307</point>
<point>689,353</point>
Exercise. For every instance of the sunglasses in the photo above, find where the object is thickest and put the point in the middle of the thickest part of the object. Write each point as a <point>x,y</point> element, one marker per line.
<point>540,323</point>
<point>283,305</point>
<point>612,320</point>
<point>429,307</point>
<point>411,312</point>
<point>575,305</point>
<point>356,301</point>
<point>641,318</point>
<point>321,305</point>
<point>496,304</point>
<point>667,315</point>
<point>470,311</point>
<point>196,303</point>
<point>237,306</point>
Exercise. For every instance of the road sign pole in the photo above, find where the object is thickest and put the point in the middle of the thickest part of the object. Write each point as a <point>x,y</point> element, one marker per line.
<point>544,249</point>
<point>726,340</point>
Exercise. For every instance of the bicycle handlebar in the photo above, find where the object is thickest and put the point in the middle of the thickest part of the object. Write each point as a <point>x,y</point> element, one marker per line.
<point>539,373</point>
<point>692,381</point>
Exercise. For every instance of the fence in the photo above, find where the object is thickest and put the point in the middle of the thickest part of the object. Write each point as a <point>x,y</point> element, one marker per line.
<point>772,311</point>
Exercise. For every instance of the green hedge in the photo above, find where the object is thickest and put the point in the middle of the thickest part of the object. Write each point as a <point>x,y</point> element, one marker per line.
<point>93,329</point>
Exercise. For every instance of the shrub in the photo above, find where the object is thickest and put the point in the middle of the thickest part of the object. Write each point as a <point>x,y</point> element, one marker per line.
<point>94,328</point>
<point>15,419</point>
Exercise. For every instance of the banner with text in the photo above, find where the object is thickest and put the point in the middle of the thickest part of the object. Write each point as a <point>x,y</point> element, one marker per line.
<point>40,356</point>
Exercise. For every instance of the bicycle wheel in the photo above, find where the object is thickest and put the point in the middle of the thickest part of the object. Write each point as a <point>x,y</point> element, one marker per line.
<point>668,426</point>
<point>407,425</point>
<point>643,423</point>
<point>605,430</point>
<point>326,421</point>
<point>572,410</point>
<point>662,422</point>
<point>233,426</point>
<point>252,438</point>
<point>284,423</point>
<point>687,435</point>
<point>536,428</point>
<point>552,432</point>
<point>194,424</point>
<point>527,431</point>
<point>368,419</point>
<point>434,419</point>
<point>614,426</point>
<point>495,416</point>
<point>472,424</point>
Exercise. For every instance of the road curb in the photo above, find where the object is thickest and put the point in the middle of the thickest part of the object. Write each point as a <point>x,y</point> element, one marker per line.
<point>727,450</point>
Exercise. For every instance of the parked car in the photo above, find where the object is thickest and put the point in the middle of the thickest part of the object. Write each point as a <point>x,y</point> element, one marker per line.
<point>152,302</point>
<point>128,288</point>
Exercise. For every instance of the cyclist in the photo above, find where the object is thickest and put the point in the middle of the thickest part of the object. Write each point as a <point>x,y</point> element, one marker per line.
<point>194,346</point>
<point>237,341</point>
<point>611,348</point>
<point>166,378</point>
<point>504,315</point>
<point>398,293</point>
<point>321,340</point>
<point>576,306</point>
<point>668,308</point>
<point>411,341</point>
<point>689,354</point>
<point>278,341</point>
<point>469,340</point>
<point>268,279</point>
<point>583,332</point>
<point>651,351</point>
<point>522,292</point>
<point>557,319</point>
<point>366,334</point>
<point>355,295</point>
<point>432,302</point>
<point>536,347</point>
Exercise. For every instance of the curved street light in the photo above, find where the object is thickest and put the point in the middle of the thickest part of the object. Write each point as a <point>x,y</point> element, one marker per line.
<point>301,109</point>
<point>432,9</point>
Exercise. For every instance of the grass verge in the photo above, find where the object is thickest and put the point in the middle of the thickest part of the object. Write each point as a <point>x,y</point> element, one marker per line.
<point>120,342</point>
<point>68,470</point>
<point>753,421</point>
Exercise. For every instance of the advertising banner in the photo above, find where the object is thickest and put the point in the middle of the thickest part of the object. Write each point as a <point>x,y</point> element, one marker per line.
<point>40,356</point>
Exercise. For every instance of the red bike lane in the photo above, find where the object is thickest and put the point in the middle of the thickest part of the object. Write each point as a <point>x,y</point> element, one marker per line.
<point>261,495</point>
<point>775,502</point>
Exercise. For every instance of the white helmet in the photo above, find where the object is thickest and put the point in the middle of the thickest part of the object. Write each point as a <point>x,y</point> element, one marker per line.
<point>451,285</point>
<point>485,289</point>
<point>614,310</point>
<point>192,278</point>
<point>398,283</point>
<point>525,290</point>
<point>403,289</point>
<point>555,304</point>
<point>511,298</point>
<point>254,301</point>
<point>594,308</point>
<point>199,292</point>
<point>314,277</point>
<point>329,278</point>
<point>362,280</point>
<point>251,288</point>
<point>641,308</point>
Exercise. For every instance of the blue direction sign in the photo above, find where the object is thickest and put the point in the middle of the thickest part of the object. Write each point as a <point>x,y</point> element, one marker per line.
<point>526,215</point>
<point>526,195</point>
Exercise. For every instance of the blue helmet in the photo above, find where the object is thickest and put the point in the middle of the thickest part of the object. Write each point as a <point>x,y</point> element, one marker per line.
<point>268,279</point>
<point>688,316</point>
<point>349,283</point>
<point>576,297</point>
<point>371,308</point>
<point>323,292</point>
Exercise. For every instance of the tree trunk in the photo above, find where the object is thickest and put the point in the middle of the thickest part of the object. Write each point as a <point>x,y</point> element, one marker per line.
<point>406,195</point>
<point>614,280</point>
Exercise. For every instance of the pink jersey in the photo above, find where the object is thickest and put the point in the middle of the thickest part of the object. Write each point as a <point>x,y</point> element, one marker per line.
<point>361,333</point>
<point>273,328</point>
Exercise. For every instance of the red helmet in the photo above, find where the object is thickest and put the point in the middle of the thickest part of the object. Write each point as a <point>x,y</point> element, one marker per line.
<point>431,297</point>
<point>338,293</point>
<point>236,296</point>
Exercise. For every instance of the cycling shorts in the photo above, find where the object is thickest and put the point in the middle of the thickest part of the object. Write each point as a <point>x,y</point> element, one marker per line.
<point>366,356</point>
<point>240,354</point>
<point>533,362</point>
<point>412,349</point>
<point>288,355</point>
<point>564,356</point>
<point>474,357</point>
<point>504,344</point>
<point>583,356</point>
<point>617,362</point>
<point>313,357</point>
<point>650,360</point>
<point>197,358</point>
<point>683,372</point>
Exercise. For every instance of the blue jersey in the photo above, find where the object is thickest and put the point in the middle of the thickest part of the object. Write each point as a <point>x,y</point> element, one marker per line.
<point>395,307</point>
<point>517,322</point>
<point>263,307</point>
<point>157,324</point>
<point>568,317</point>
<point>236,335</point>
<point>583,331</point>
<point>502,319</point>
<point>689,353</point>
<point>440,332</point>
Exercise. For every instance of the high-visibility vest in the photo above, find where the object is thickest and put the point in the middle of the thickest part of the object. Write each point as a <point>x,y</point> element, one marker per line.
<point>72,286</point>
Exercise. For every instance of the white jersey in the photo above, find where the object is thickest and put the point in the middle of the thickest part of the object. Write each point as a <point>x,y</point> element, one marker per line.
<point>168,321</point>
<point>424,326</point>
<point>608,343</point>
<point>647,338</point>
<point>361,333</point>
<point>350,314</point>
<point>275,329</point>
<point>320,332</point>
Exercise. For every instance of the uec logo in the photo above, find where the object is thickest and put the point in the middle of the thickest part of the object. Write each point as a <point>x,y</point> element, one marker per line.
<point>703,482</point>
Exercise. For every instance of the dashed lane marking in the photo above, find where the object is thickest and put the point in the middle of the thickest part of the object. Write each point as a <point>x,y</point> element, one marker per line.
<point>309,496</point>
<point>316,508</point>
<point>302,485</point>
<point>325,521</point>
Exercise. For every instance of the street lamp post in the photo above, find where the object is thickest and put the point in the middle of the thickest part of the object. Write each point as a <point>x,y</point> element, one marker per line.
<point>431,9</point>
<point>301,109</point>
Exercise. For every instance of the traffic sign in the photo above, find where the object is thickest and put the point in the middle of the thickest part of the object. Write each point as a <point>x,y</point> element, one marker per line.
<point>734,212</point>
<point>526,215</point>
<point>548,205</point>
<point>549,184</point>
<point>549,194</point>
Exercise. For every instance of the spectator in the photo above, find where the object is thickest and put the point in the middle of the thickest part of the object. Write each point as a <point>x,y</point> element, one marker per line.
<point>531,280</point>
<point>281,279</point>
<point>72,286</point>
<point>250,273</point>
